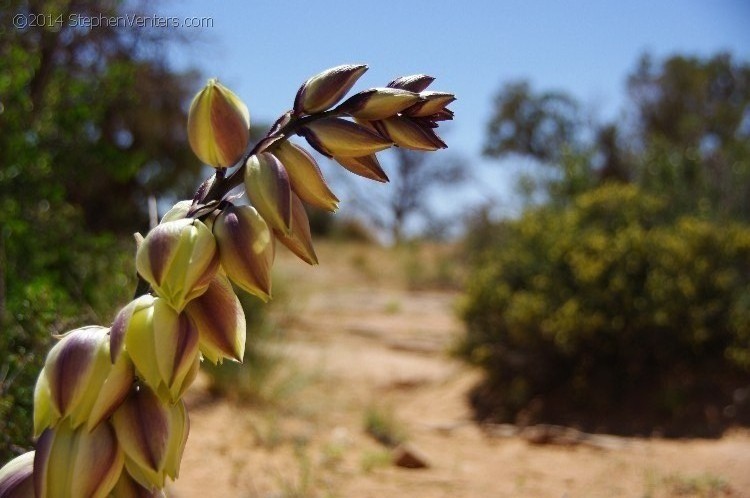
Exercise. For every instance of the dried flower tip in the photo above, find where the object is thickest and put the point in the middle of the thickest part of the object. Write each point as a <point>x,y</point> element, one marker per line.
<point>246,249</point>
<point>414,83</point>
<point>218,125</point>
<point>305,177</point>
<point>341,138</point>
<point>365,166</point>
<point>323,90</point>
<point>300,241</point>
<point>378,103</point>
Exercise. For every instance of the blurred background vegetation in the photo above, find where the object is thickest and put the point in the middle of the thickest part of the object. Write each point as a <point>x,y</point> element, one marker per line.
<point>87,134</point>
<point>618,300</point>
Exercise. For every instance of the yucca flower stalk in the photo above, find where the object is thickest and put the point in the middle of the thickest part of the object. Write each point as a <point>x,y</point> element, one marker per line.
<point>108,406</point>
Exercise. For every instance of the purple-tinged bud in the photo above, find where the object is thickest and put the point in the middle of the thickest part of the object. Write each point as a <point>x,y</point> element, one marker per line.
<point>341,138</point>
<point>433,103</point>
<point>268,188</point>
<point>410,134</point>
<point>218,126</point>
<point>325,89</point>
<point>77,462</point>
<point>162,344</point>
<point>178,258</point>
<point>17,477</point>
<point>414,83</point>
<point>246,249</point>
<point>365,166</point>
<point>378,103</point>
<point>300,241</point>
<point>220,320</point>
<point>305,177</point>
<point>152,435</point>
<point>78,380</point>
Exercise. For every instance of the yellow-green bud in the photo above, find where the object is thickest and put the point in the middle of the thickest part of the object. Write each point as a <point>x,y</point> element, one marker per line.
<point>268,188</point>
<point>324,89</point>
<point>341,138</point>
<point>305,177</point>
<point>152,435</point>
<point>218,125</point>
<point>300,241</point>
<point>246,249</point>
<point>410,134</point>
<point>220,320</point>
<point>178,258</point>
<point>162,344</point>
<point>431,104</point>
<point>77,462</point>
<point>365,166</point>
<point>177,212</point>
<point>378,103</point>
<point>79,382</point>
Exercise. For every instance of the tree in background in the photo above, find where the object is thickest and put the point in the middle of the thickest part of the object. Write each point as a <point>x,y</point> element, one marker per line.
<point>688,137</point>
<point>84,119</point>
<point>692,132</point>
<point>620,303</point>
<point>413,178</point>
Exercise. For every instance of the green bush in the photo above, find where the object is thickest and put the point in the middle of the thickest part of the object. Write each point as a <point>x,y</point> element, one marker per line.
<point>609,316</point>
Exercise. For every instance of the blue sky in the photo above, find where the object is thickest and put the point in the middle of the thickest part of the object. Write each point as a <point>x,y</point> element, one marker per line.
<point>265,50</point>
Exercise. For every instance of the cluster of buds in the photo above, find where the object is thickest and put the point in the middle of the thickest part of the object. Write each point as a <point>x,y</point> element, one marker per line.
<point>108,409</point>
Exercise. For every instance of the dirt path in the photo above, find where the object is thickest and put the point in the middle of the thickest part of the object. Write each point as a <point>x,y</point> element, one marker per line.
<point>367,347</point>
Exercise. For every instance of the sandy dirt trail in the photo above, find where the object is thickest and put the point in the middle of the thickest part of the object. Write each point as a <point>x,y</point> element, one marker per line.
<point>364,343</point>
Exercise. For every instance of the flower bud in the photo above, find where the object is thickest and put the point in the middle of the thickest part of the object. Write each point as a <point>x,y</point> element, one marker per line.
<point>218,125</point>
<point>220,320</point>
<point>414,83</point>
<point>378,103</point>
<point>432,103</point>
<point>178,258</point>
<point>177,212</point>
<point>323,90</point>
<point>365,166</point>
<point>162,344</point>
<point>77,462</point>
<point>305,176</point>
<point>409,134</point>
<point>78,380</point>
<point>300,241</point>
<point>152,435</point>
<point>339,137</point>
<point>268,188</point>
<point>17,477</point>
<point>127,487</point>
<point>246,249</point>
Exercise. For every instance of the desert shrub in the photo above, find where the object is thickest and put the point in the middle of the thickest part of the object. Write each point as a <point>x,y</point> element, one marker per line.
<point>610,316</point>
